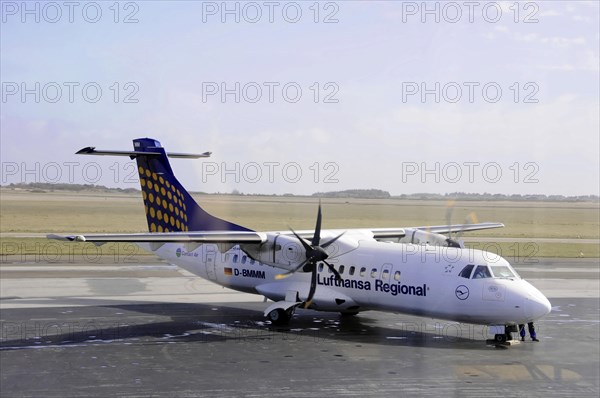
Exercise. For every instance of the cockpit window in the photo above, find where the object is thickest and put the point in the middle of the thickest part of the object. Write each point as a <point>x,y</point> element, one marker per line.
<point>502,271</point>
<point>482,271</point>
<point>466,272</point>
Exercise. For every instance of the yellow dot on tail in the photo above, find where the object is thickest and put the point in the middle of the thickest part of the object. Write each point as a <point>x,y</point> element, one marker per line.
<point>149,184</point>
<point>171,207</point>
<point>141,170</point>
<point>152,212</point>
<point>148,173</point>
<point>164,203</point>
<point>162,191</point>
<point>151,198</point>
<point>142,182</point>
<point>159,215</point>
<point>160,228</point>
<point>152,227</point>
<point>172,221</point>
<point>162,180</point>
<point>166,217</point>
<point>169,195</point>
<point>154,176</point>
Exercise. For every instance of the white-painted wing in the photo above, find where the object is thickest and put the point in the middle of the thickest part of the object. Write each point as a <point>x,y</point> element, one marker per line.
<point>234,237</point>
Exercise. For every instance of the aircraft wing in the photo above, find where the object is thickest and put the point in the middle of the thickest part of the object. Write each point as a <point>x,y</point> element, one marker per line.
<point>234,237</point>
<point>444,229</point>
<point>249,237</point>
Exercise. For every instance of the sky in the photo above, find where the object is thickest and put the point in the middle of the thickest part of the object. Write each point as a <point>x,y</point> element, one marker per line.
<point>303,97</point>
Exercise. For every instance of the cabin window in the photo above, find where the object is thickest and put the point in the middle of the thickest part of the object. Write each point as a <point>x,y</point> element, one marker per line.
<point>482,271</point>
<point>328,269</point>
<point>466,272</point>
<point>251,261</point>
<point>321,267</point>
<point>374,273</point>
<point>385,274</point>
<point>244,258</point>
<point>235,258</point>
<point>362,271</point>
<point>341,269</point>
<point>502,271</point>
<point>351,270</point>
<point>397,275</point>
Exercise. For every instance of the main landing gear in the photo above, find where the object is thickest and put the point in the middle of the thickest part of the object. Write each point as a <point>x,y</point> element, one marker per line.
<point>280,316</point>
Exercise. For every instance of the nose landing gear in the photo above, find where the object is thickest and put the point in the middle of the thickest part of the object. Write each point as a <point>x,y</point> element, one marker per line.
<point>503,335</point>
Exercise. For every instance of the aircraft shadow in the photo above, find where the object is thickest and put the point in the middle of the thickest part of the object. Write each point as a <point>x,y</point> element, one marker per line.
<point>222,322</point>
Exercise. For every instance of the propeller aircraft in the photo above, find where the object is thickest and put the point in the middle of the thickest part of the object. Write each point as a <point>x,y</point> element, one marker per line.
<point>410,270</point>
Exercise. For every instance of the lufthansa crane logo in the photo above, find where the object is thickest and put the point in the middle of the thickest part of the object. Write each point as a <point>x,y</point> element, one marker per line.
<point>462,292</point>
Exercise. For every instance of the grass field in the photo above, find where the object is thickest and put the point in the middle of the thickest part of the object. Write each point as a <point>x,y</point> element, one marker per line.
<point>60,212</point>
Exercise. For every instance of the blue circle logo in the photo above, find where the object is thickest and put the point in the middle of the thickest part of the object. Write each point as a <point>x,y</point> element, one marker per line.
<point>462,292</point>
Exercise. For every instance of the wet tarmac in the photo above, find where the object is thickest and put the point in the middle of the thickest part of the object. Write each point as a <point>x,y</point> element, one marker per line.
<point>73,330</point>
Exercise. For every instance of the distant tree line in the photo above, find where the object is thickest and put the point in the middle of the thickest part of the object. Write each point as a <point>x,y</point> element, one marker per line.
<point>355,193</point>
<point>499,197</point>
<point>49,187</point>
<point>349,193</point>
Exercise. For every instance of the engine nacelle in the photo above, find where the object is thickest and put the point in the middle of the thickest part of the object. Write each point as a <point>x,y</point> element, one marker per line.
<point>280,251</point>
<point>421,237</point>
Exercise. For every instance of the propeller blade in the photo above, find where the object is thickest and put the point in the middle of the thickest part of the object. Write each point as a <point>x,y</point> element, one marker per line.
<point>304,244</point>
<point>317,236</point>
<point>471,218</point>
<point>285,275</point>
<point>449,211</point>
<point>313,288</point>
<point>332,268</point>
<point>324,245</point>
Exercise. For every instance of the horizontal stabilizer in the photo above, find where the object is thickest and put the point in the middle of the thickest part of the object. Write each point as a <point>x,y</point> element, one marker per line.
<point>90,150</point>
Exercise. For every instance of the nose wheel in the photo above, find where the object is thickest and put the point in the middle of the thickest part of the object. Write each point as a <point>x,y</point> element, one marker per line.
<point>501,338</point>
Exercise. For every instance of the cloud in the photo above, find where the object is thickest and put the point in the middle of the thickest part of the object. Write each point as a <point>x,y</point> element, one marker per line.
<point>588,61</point>
<point>555,41</point>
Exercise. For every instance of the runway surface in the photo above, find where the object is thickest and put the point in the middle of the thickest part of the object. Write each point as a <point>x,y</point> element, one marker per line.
<point>76,329</point>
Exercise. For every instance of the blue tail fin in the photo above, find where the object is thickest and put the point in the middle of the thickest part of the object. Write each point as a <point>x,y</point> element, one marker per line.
<point>169,207</point>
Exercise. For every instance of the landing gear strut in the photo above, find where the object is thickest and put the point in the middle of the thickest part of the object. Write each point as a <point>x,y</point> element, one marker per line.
<point>503,335</point>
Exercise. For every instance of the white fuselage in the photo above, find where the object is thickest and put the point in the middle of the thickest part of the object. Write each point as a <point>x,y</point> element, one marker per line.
<point>404,278</point>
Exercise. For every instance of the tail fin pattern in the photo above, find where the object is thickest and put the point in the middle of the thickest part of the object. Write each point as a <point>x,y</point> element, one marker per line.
<point>169,207</point>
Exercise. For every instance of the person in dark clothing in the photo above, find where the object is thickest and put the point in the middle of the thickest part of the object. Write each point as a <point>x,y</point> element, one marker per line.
<point>531,328</point>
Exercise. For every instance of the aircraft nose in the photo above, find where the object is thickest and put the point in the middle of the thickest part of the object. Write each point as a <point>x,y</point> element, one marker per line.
<point>536,304</point>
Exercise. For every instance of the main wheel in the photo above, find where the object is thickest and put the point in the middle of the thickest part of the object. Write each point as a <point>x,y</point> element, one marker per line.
<point>279,316</point>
